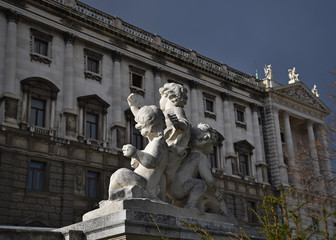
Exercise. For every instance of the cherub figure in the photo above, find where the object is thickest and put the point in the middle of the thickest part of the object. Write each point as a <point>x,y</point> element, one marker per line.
<point>177,134</point>
<point>201,194</point>
<point>149,163</point>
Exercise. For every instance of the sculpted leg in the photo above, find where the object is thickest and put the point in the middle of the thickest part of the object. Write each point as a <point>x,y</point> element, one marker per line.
<point>125,177</point>
<point>196,189</point>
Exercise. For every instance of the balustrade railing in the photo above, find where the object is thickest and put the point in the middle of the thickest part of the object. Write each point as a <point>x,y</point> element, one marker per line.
<point>137,32</point>
<point>208,62</point>
<point>106,19</point>
<point>174,48</point>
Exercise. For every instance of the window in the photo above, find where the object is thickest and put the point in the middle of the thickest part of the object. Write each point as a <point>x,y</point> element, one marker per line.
<point>209,101</point>
<point>93,65</point>
<point>37,176</point>
<point>91,126</point>
<point>40,49</point>
<point>37,112</point>
<point>244,150</point>
<point>136,79</point>
<point>92,119</point>
<point>213,158</point>
<point>137,138</point>
<point>251,217</point>
<point>240,116</point>
<point>244,165</point>
<point>38,105</point>
<point>315,224</point>
<point>92,185</point>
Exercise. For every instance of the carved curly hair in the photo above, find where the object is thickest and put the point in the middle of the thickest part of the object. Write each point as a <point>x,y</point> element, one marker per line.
<point>175,92</point>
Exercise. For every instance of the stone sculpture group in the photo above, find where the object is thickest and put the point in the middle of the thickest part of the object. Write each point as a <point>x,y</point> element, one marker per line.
<point>174,163</point>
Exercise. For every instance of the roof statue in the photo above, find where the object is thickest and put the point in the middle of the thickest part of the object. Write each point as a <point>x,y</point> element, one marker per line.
<point>268,80</point>
<point>314,90</point>
<point>293,76</point>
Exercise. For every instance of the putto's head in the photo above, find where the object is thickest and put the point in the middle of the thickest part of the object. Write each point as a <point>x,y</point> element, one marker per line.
<point>204,137</point>
<point>150,121</point>
<point>176,93</point>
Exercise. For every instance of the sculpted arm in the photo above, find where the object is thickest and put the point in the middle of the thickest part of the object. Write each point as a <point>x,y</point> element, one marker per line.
<point>133,104</point>
<point>149,157</point>
<point>179,119</point>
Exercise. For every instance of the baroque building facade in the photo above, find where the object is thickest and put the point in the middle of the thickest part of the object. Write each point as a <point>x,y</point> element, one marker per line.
<point>66,70</point>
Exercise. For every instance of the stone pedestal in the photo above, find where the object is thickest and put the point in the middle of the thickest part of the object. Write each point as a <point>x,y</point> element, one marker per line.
<point>132,219</point>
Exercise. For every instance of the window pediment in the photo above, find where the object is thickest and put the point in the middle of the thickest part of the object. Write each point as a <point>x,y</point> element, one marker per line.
<point>244,146</point>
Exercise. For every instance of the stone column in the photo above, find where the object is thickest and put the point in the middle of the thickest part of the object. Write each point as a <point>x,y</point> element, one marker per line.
<point>68,84</point>
<point>312,147</point>
<point>10,53</point>
<point>116,86</point>
<point>293,169</point>
<point>9,97</point>
<point>260,164</point>
<point>230,156</point>
<point>157,83</point>
<point>117,113</point>
<point>70,116</point>
<point>282,166</point>
<point>193,101</point>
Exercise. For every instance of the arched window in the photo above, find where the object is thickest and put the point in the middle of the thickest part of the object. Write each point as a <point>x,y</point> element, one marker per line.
<point>38,105</point>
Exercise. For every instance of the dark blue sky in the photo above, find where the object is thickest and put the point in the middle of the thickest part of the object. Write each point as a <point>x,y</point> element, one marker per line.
<point>245,34</point>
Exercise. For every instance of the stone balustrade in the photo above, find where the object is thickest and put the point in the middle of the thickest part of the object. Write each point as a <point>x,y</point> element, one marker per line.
<point>169,47</point>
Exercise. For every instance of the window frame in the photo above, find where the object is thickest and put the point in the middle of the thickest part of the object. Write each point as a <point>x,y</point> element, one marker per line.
<point>43,186</point>
<point>92,56</point>
<point>135,132</point>
<point>251,217</point>
<point>41,37</point>
<point>209,98</point>
<point>237,110</point>
<point>213,158</point>
<point>43,90</point>
<point>244,148</point>
<point>37,111</point>
<point>133,70</point>
<point>90,123</point>
<point>93,105</point>
<point>88,194</point>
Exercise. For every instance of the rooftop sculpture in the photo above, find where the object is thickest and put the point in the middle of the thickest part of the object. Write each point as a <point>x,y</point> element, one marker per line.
<point>293,76</point>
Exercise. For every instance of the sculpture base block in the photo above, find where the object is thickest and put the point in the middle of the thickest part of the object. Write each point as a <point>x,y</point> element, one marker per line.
<point>132,219</point>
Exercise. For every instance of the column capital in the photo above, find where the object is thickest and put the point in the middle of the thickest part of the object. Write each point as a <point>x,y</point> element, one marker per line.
<point>255,107</point>
<point>69,38</point>
<point>193,84</point>
<point>116,56</point>
<point>225,96</point>
<point>12,16</point>
<point>157,71</point>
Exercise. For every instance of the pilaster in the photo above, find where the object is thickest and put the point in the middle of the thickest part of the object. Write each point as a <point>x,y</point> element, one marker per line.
<point>194,101</point>
<point>157,72</point>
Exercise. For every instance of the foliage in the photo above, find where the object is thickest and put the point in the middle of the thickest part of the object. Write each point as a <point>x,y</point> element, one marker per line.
<point>277,221</point>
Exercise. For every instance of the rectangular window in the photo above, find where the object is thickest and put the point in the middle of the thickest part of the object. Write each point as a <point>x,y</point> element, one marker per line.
<point>244,164</point>
<point>252,218</point>
<point>92,185</point>
<point>37,112</point>
<point>93,65</point>
<point>91,126</point>
<point>40,47</point>
<point>137,138</point>
<point>209,105</point>
<point>240,116</point>
<point>213,158</point>
<point>136,80</point>
<point>37,173</point>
